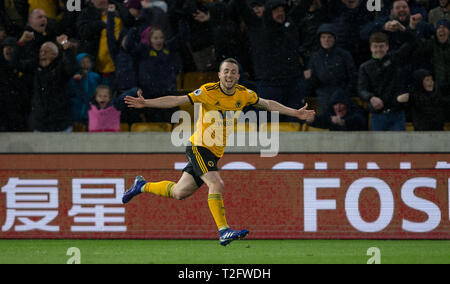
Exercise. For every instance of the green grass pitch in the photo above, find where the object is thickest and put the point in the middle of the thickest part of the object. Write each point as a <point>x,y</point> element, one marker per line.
<point>238,252</point>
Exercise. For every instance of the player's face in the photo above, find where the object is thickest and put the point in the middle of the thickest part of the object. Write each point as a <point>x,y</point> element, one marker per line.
<point>379,49</point>
<point>157,40</point>
<point>229,75</point>
<point>428,83</point>
<point>327,40</point>
<point>400,11</point>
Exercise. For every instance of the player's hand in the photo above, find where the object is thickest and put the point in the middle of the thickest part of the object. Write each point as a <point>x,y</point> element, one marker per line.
<point>134,102</point>
<point>305,114</point>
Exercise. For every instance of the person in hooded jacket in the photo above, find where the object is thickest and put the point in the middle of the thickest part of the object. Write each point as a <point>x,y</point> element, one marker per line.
<point>342,114</point>
<point>331,68</point>
<point>13,96</point>
<point>275,48</point>
<point>425,102</point>
<point>82,87</point>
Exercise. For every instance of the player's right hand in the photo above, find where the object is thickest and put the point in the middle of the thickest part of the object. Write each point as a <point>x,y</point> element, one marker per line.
<point>134,102</point>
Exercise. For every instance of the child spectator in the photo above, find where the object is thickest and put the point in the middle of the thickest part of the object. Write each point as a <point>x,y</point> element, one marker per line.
<point>425,102</point>
<point>104,113</point>
<point>158,65</point>
<point>82,88</point>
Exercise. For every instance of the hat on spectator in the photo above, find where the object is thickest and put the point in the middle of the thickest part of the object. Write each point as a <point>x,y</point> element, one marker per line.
<point>443,22</point>
<point>136,4</point>
<point>9,41</point>
<point>256,2</point>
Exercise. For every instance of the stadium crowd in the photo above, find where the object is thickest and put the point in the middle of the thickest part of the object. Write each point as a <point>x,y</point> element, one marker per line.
<point>380,68</point>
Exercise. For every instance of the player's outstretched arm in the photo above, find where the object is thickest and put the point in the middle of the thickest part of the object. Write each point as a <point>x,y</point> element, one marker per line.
<point>302,114</point>
<point>163,102</point>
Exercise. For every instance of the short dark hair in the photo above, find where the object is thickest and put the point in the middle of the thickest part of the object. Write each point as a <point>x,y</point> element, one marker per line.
<point>229,60</point>
<point>379,37</point>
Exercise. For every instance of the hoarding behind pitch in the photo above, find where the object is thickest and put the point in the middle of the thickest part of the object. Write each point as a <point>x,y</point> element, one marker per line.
<point>291,196</point>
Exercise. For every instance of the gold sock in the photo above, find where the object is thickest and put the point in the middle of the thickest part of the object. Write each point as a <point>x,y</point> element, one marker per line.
<point>217,208</point>
<point>163,188</point>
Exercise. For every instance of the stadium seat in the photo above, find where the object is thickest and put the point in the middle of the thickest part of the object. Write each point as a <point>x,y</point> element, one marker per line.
<point>409,126</point>
<point>309,128</point>
<point>79,127</point>
<point>124,127</point>
<point>151,127</point>
<point>447,126</point>
<point>283,126</point>
<point>193,80</point>
<point>180,79</point>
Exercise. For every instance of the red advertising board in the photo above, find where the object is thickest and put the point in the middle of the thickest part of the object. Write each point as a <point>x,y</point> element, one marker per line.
<point>290,196</point>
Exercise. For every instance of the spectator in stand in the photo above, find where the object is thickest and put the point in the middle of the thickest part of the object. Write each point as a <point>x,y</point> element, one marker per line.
<point>200,44</point>
<point>13,96</point>
<point>275,44</point>
<point>348,17</point>
<point>425,103</point>
<point>38,31</point>
<point>92,32</point>
<point>380,83</point>
<point>158,65</point>
<point>125,66</point>
<point>3,34</point>
<point>331,68</point>
<point>82,88</point>
<point>342,115</point>
<point>104,112</point>
<point>52,71</point>
<point>155,13</point>
<point>396,23</point>
<point>437,51</point>
<point>440,12</point>
<point>316,15</point>
<point>13,16</point>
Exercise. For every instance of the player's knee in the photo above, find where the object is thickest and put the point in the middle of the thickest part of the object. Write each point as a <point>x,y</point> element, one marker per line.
<point>217,186</point>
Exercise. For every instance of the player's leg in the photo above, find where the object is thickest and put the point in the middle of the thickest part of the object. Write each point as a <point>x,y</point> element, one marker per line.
<point>180,190</point>
<point>215,201</point>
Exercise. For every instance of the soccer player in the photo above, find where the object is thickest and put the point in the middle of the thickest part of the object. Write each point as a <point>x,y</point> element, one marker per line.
<point>225,95</point>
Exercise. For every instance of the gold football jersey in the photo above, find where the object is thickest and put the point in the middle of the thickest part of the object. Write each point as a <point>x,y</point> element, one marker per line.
<point>217,112</point>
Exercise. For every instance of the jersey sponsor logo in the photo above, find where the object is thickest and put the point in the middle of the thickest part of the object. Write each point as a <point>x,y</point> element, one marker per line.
<point>198,92</point>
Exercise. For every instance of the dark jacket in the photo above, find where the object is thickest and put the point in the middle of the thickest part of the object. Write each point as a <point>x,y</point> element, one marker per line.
<point>14,96</point>
<point>438,55</point>
<point>333,68</point>
<point>50,105</point>
<point>354,119</point>
<point>347,23</point>
<point>157,70</point>
<point>90,26</point>
<point>275,47</point>
<point>125,77</point>
<point>384,78</point>
<point>427,109</point>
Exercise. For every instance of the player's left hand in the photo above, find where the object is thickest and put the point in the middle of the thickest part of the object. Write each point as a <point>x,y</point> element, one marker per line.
<point>305,114</point>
